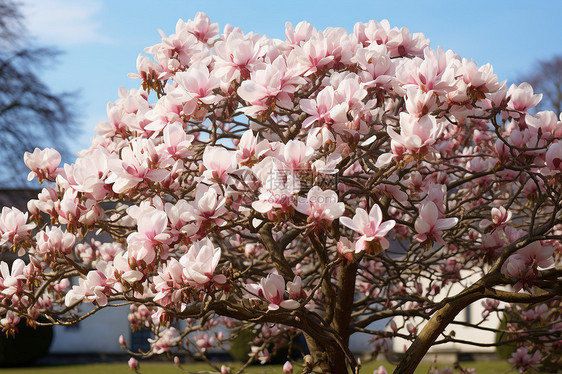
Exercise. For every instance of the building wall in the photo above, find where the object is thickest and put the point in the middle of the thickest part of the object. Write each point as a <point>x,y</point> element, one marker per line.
<point>97,334</point>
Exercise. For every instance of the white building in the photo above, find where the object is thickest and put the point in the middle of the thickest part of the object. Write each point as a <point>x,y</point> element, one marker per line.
<point>96,335</point>
<point>452,351</point>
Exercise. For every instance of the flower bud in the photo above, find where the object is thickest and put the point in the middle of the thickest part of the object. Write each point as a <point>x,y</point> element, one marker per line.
<point>288,368</point>
<point>133,364</point>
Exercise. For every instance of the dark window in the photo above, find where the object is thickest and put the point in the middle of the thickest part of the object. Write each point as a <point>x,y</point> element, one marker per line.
<point>139,340</point>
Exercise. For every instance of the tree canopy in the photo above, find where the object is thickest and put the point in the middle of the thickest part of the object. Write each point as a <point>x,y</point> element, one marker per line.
<point>302,187</point>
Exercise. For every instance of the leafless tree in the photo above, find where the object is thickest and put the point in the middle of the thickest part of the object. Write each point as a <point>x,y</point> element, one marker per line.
<point>546,78</point>
<point>31,114</point>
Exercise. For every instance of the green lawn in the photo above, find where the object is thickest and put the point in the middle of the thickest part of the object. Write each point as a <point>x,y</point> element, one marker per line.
<point>148,367</point>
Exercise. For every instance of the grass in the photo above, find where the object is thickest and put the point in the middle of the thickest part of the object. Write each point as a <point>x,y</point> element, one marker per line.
<point>147,367</point>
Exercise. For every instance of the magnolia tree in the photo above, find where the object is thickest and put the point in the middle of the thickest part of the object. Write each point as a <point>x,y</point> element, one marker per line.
<point>311,186</point>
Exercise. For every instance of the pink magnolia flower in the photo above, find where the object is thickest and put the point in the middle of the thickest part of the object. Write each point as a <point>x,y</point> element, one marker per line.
<point>249,149</point>
<point>201,27</point>
<point>237,55</point>
<point>437,194</point>
<point>200,262</point>
<point>92,289</point>
<point>490,305</point>
<point>429,226</point>
<point>312,54</point>
<point>12,282</point>
<point>412,329</point>
<point>246,147</point>
<point>538,313</point>
<point>500,217</point>
<point>262,354</point>
<point>178,222</point>
<point>169,283</point>
<point>325,109</point>
<point>346,248</point>
<point>86,253</point>
<point>181,48</point>
<point>553,157</point>
<point>393,190</point>
<point>428,74</point>
<point>116,123</point>
<point>416,133</point>
<point>46,202</point>
<point>302,32</point>
<point>70,208</point>
<point>525,264</point>
<point>166,111</point>
<point>133,167</point>
<point>481,79</point>
<point>296,154</point>
<point>151,231</point>
<point>62,286</point>
<point>522,97</point>
<point>272,288</point>
<point>219,163</point>
<point>146,69</point>
<point>196,84</point>
<point>165,340</point>
<point>42,163</point>
<point>53,242</point>
<point>371,227</point>
<point>123,271</point>
<point>108,251</point>
<point>548,123</point>
<point>273,85</point>
<point>208,206</point>
<point>88,174</point>
<point>378,68</point>
<point>294,288</point>
<point>539,254</point>
<point>176,142</point>
<point>278,188</point>
<point>420,103</point>
<point>351,91</point>
<point>10,322</point>
<point>14,226</point>
<point>321,207</point>
<point>523,360</point>
<point>204,341</point>
<point>399,42</point>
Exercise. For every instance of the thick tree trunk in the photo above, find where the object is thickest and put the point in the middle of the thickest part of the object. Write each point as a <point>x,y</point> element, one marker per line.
<point>430,332</point>
<point>328,357</point>
<point>332,354</point>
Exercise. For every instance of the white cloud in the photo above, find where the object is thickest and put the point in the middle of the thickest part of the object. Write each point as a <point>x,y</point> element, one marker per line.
<point>64,22</point>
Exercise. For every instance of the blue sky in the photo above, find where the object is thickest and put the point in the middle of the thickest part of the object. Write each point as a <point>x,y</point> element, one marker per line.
<point>101,39</point>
